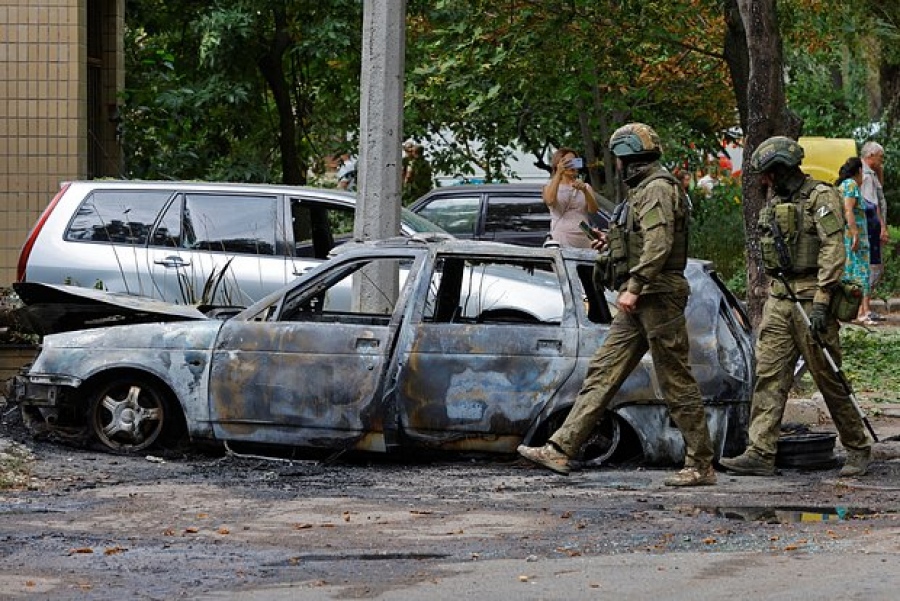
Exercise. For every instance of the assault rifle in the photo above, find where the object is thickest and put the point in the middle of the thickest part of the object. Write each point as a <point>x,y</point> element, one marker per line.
<point>784,265</point>
<point>781,249</point>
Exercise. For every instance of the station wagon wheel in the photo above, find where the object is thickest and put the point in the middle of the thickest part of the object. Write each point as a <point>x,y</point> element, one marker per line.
<point>128,414</point>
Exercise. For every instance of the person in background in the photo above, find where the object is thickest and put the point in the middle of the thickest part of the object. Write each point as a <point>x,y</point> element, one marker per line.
<point>872,155</point>
<point>811,223</point>
<point>651,229</point>
<point>346,174</point>
<point>417,179</point>
<point>684,177</point>
<point>856,234</point>
<point>569,200</point>
<point>706,183</point>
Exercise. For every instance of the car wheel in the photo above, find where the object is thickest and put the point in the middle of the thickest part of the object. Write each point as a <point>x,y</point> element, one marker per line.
<point>603,442</point>
<point>129,414</point>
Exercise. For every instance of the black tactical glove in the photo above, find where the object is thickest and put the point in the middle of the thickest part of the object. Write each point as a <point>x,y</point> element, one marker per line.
<point>818,317</point>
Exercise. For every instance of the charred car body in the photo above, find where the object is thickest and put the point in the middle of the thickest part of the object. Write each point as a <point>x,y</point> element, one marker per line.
<point>480,347</point>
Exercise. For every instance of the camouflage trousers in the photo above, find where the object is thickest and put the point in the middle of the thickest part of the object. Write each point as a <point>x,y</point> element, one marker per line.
<point>658,325</point>
<point>783,337</point>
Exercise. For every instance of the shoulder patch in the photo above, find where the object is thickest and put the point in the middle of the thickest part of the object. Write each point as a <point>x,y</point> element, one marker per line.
<point>828,221</point>
<point>653,217</point>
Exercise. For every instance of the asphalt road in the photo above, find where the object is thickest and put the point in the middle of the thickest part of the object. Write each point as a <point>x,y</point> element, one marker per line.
<point>94,526</point>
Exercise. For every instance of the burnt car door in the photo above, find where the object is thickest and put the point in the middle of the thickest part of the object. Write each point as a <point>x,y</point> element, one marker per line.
<point>307,369</point>
<point>489,341</point>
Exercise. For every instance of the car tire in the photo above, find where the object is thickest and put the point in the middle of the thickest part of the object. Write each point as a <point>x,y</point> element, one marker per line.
<point>604,443</point>
<point>129,414</point>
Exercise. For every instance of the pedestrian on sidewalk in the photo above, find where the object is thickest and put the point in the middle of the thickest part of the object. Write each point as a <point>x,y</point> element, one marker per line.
<point>647,270</point>
<point>569,200</point>
<point>809,216</point>
<point>856,233</point>
<point>872,155</point>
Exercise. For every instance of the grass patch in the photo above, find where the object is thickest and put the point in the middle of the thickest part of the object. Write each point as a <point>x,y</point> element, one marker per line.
<point>870,359</point>
<point>870,362</point>
<point>15,467</point>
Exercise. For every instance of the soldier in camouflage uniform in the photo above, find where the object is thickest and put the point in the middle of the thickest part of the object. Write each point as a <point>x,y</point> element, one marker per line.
<point>810,222</point>
<point>644,261</point>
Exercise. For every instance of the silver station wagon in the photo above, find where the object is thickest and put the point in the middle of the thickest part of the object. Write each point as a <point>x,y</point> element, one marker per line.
<point>479,347</point>
<point>188,242</point>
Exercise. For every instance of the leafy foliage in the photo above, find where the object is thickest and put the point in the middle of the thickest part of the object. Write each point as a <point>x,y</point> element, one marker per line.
<point>560,73</point>
<point>263,90</point>
<point>198,103</point>
<point>202,96</point>
<point>717,222</point>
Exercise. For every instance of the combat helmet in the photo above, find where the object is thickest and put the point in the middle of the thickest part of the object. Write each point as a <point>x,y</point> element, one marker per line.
<point>635,141</point>
<point>777,150</point>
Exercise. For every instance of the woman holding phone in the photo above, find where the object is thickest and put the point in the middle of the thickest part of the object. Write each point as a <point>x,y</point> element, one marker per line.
<point>569,199</point>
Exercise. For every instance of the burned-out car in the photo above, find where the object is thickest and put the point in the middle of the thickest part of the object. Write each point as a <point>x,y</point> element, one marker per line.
<point>404,345</point>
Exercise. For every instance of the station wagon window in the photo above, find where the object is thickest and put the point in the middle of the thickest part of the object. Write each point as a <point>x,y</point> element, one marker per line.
<point>122,217</point>
<point>319,227</point>
<point>232,223</point>
<point>457,215</point>
<point>517,214</point>
<point>496,290</point>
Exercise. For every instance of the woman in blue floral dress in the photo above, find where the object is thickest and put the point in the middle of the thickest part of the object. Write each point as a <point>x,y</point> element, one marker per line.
<point>856,237</point>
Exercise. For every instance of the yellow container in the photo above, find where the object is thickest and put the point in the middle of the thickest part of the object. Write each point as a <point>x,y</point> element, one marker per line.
<point>824,156</point>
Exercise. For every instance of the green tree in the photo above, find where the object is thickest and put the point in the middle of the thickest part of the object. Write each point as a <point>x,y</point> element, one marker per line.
<point>539,75</point>
<point>240,90</point>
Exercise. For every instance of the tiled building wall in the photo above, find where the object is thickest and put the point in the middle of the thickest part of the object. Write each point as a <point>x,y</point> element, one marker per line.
<point>43,108</point>
<point>42,135</point>
<point>113,61</point>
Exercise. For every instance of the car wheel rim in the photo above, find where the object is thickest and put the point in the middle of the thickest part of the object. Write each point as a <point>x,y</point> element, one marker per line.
<point>128,417</point>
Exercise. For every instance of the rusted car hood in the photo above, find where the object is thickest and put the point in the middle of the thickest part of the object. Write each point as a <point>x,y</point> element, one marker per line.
<point>51,308</point>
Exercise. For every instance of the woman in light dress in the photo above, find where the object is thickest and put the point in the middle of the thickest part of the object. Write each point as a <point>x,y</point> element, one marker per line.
<point>569,199</point>
<point>856,235</point>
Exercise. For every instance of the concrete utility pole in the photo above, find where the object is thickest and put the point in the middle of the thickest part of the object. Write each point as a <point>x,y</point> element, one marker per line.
<point>381,136</point>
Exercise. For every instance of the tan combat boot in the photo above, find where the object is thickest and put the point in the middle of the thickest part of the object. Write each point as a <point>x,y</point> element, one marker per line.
<point>691,476</point>
<point>748,464</point>
<point>547,456</point>
<point>857,463</point>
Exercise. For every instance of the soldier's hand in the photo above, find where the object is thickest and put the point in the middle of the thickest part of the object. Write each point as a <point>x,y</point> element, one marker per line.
<point>627,301</point>
<point>818,317</point>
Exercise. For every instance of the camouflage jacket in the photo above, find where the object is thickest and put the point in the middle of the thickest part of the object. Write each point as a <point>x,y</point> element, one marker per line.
<point>653,203</point>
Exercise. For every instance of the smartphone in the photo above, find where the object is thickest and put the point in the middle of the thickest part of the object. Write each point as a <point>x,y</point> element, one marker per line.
<point>577,163</point>
<point>586,228</point>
